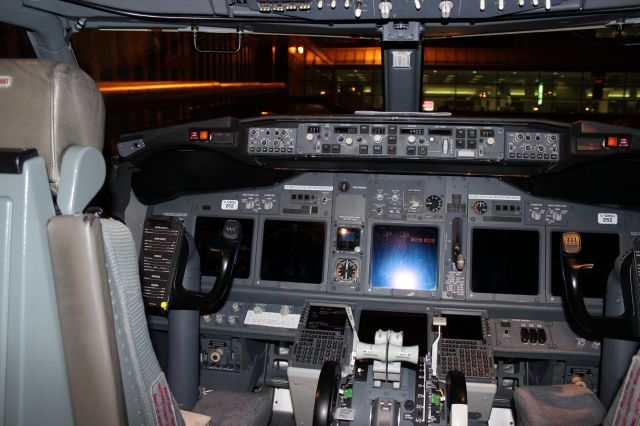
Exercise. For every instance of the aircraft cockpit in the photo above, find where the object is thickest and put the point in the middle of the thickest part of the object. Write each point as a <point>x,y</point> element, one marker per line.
<point>403,244</point>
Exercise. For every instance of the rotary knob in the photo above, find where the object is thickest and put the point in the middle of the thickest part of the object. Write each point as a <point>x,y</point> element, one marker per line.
<point>349,141</point>
<point>219,318</point>
<point>249,204</point>
<point>231,320</point>
<point>258,309</point>
<point>285,310</point>
<point>236,307</point>
<point>267,204</point>
<point>411,139</point>
<point>310,137</point>
<point>377,138</point>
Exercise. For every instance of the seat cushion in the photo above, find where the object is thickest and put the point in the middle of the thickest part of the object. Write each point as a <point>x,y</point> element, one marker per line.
<point>558,405</point>
<point>237,408</point>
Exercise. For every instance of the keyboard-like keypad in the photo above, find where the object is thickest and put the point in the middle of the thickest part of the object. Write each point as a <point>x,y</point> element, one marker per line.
<point>314,347</point>
<point>468,356</point>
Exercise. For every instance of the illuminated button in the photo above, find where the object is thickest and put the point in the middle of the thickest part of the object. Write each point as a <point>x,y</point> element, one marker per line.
<point>472,144</point>
<point>326,148</point>
<point>611,142</point>
<point>377,149</point>
<point>411,139</point>
<point>411,150</point>
<point>460,143</point>
<point>393,130</point>
<point>335,149</point>
<point>472,133</point>
<point>391,150</point>
<point>364,129</point>
<point>363,149</point>
<point>204,135</point>
<point>193,135</point>
<point>460,133</point>
<point>392,140</point>
<point>422,150</point>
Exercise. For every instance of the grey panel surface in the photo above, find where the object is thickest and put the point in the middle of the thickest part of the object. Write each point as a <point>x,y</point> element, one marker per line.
<point>472,202</point>
<point>31,311</point>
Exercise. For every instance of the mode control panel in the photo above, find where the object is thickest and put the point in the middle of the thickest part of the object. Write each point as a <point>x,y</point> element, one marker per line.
<point>404,140</point>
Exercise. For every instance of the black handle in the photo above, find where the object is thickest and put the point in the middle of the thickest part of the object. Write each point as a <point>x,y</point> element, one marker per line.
<point>626,326</point>
<point>456,388</point>
<point>326,393</point>
<point>209,303</point>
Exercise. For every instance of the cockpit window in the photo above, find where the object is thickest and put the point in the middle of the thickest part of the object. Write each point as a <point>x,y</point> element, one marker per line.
<point>157,78</point>
<point>15,43</point>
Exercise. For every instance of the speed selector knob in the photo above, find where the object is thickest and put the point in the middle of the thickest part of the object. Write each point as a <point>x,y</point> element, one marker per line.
<point>344,186</point>
<point>377,138</point>
<point>411,139</point>
<point>310,137</point>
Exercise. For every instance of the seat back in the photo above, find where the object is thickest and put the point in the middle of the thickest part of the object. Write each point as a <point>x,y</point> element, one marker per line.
<point>48,110</point>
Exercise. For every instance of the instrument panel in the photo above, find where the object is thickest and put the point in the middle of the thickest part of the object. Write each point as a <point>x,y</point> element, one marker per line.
<point>422,237</point>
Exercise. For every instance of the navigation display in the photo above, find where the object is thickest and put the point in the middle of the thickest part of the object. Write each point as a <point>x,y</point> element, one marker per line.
<point>293,251</point>
<point>208,237</point>
<point>599,249</point>
<point>404,257</point>
<point>505,261</point>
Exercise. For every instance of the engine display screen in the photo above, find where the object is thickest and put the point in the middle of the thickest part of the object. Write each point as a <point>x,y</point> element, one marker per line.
<point>331,318</point>
<point>293,251</point>
<point>208,237</point>
<point>413,327</point>
<point>404,257</point>
<point>599,249</point>
<point>505,261</point>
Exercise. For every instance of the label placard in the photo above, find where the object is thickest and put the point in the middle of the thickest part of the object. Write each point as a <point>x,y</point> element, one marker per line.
<point>607,218</point>
<point>229,205</point>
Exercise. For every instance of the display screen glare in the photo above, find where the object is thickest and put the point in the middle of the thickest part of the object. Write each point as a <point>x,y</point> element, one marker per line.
<point>404,257</point>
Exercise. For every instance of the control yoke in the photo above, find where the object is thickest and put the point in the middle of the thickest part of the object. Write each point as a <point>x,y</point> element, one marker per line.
<point>626,326</point>
<point>166,248</point>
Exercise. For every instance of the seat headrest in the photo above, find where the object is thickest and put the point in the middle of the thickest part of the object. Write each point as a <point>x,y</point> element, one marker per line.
<point>49,106</point>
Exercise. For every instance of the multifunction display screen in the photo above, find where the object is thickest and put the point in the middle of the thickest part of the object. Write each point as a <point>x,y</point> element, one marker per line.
<point>404,257</point>
<point>331,318</point>
<point>505,261</point>
<point>293,251</point>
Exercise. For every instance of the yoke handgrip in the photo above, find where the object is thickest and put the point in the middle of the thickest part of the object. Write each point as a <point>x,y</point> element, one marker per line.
<point>209,303</point>
<point>626,326</point>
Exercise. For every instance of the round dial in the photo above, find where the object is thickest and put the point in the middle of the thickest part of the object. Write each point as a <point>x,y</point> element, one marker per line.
<point>480,207</point>
<point>433,203</point>
<point>347,270</point>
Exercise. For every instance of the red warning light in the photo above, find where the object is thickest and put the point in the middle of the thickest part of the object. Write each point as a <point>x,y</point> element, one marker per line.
<point>204,135</point>
<point>193,135</point>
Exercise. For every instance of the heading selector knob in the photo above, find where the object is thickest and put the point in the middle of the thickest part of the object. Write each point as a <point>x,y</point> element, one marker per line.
<point>344,186</point>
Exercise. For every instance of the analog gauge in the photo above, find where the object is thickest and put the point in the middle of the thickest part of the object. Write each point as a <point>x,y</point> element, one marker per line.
<point>433,203</point>
<point>480,207</point>
<point>347,270</point>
